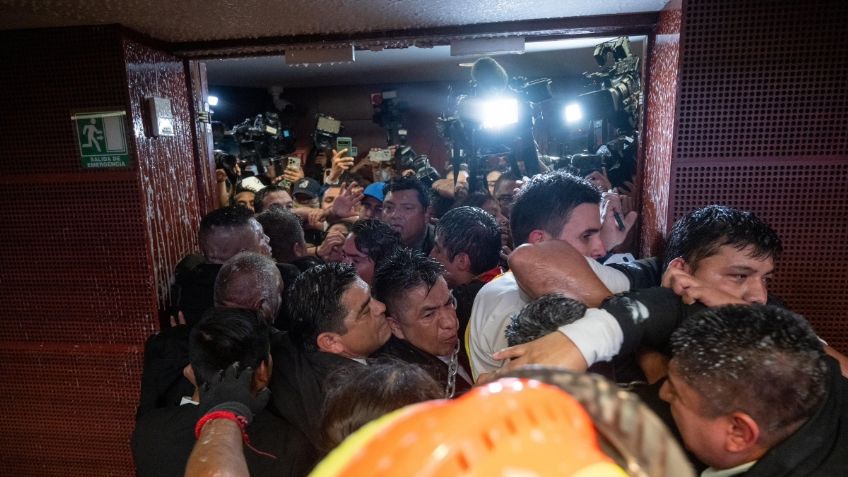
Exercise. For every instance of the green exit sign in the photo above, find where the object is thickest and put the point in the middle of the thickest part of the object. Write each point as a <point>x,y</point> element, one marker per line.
<point>102,139</point>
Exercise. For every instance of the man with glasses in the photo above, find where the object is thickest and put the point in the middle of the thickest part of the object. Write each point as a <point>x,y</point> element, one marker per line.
<point>504,192</point>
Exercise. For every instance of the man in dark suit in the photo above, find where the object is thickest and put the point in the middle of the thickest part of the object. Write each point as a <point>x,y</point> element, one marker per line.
<point>335,323</point>
<point>164,437</point>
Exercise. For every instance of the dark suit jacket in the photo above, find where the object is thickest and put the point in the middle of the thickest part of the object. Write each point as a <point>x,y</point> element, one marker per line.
<point>163,440</point>
<point>435,367</point>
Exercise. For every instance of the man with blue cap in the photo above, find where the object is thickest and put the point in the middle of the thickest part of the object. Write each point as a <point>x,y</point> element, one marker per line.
<point>372,203</point>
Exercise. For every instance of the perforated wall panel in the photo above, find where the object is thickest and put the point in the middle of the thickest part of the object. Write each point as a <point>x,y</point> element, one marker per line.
<point>45,86</point>
<point>74,264</point>
<point>762,126</point>
<point>810,213</point>
<point>68,410</point>
<point>764,79</point>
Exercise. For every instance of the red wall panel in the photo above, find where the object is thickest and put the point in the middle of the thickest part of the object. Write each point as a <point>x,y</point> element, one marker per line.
<point>87,254</point>
<point>762,126</point>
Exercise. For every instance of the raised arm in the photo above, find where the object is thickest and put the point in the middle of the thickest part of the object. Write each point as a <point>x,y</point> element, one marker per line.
<point>556,267</point>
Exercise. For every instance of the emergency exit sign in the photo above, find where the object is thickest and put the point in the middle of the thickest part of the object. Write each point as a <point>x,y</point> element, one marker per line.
<point>102,139</point>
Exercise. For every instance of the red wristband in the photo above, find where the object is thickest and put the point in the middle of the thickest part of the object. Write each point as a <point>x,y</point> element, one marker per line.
<point>228,415</point>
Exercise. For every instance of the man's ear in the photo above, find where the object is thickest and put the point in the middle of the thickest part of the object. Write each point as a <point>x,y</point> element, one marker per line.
<point>299,249</point>
<point>462,262</point>
<point>680,263</point>
<point>262,375</point>
<point>329,343</point>
<point>428,213</point>
<point>394,325</point>
<point>743,432</point>
<point>537,236</point>
<point>263,306</point>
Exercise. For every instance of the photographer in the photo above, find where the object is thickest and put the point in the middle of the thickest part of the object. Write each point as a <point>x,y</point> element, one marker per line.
<point>495,120</point>
<point>227,176</point>
<point>617,208</point>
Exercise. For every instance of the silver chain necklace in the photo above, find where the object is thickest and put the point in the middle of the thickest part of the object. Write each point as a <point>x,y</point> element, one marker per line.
<point>453,367</point>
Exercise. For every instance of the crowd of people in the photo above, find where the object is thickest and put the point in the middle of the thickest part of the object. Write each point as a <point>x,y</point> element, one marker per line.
<point>318,304</point>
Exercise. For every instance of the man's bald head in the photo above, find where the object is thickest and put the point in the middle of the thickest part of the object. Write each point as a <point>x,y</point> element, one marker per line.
<point>229,230</point>
<point>250,280</point>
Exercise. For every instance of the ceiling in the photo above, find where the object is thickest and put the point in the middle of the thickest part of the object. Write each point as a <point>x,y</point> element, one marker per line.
<point>207,28</point>
<point>208,20</point>
<point>541,59</point>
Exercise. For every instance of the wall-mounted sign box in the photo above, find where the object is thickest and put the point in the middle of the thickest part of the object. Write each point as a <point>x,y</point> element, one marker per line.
<point>160,117</point>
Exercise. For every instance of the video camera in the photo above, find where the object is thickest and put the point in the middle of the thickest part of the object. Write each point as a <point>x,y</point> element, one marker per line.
<point>327,129</point>
<point>615,159</point>
<point>388,113</point>
<point>406,158</point>
<point>227,163</point>
<point>497,118</point>
<point>620,96</point>
<point>262,138</point>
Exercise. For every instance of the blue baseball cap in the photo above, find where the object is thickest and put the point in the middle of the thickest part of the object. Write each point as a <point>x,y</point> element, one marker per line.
<point>375,190</point>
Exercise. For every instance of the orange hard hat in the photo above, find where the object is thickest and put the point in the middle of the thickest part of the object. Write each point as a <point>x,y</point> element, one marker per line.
<point>514,427</point>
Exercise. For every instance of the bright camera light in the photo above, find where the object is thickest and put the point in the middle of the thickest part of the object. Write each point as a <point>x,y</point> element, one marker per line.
<point>500,112</point>
<point>573,113</point>
<point>212,100</point>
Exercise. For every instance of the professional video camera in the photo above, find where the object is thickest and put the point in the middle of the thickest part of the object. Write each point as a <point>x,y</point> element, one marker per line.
<point>223,139</point>
<point>326,131</point>
<point>227,163</point>
<point>620,96</point>
<point>262,138</point>
<point>613,112</point>
<point>388,114</point>
<point>406,158</point>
